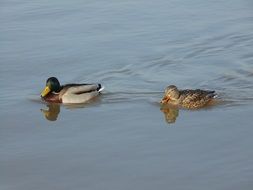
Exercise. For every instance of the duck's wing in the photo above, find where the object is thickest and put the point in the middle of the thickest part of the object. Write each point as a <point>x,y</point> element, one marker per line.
<point>196,98</point>
<point>82,88</point>
<point>80,93</point>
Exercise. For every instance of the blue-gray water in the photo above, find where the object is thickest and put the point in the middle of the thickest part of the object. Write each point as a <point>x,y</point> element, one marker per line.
<point>123,140</point>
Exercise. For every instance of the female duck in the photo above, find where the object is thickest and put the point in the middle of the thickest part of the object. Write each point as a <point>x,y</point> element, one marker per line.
<point>69,93</point>
<point>190,99</point>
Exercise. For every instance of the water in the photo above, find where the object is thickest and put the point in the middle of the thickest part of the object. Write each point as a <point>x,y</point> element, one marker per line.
<point>123,139</point>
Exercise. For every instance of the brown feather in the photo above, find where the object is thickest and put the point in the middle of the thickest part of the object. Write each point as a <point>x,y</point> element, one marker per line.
<point>191,99</point>
<point>195,98</point>
<point>53,98</point>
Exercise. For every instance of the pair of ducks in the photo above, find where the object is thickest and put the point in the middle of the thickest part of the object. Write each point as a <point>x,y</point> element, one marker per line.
<point>81,93</point>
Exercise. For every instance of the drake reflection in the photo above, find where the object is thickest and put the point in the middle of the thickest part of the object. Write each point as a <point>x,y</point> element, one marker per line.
<point>53,109</point>
<point>170,113</point>
<point>52,112</point>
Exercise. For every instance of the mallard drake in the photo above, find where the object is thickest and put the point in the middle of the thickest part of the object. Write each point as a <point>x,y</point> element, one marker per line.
<point>69,93</point>
<point>190,99</point>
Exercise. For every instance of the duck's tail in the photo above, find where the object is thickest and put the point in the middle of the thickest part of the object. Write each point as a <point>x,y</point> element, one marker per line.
<point>212,94</point>
<point>100,88</point>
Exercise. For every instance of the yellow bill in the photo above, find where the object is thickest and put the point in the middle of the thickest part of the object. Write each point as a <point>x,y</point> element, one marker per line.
<point>45,91</point>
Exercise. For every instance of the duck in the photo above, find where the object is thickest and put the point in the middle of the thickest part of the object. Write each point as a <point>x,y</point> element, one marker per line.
<point>54,92</point>
<point>189,99</point>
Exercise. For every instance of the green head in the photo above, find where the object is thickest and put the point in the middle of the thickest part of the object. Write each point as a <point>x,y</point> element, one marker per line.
<point>52,85</point>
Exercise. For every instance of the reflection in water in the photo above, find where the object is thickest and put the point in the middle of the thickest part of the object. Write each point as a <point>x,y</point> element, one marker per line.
<point>170,113</point>
<point>54,109</point>
<point>52,112</point>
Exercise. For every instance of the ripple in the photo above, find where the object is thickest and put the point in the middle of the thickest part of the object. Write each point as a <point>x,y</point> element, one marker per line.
<point>219,44</point>
<point>120,96</point>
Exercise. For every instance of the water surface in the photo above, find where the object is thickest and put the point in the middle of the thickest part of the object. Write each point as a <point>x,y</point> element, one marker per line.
<point>123,139</point>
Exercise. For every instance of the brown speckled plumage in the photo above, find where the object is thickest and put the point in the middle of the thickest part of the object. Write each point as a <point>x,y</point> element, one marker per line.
<point>190,99</point>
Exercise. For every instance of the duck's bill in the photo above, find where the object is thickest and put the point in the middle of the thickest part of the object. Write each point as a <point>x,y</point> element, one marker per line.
<point>164,100</point>
<point>45,91</point>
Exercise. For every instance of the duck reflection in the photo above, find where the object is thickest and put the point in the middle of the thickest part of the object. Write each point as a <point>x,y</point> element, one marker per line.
<point>52,112</point>
<point>170,113</point>
<point>53,109</point>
